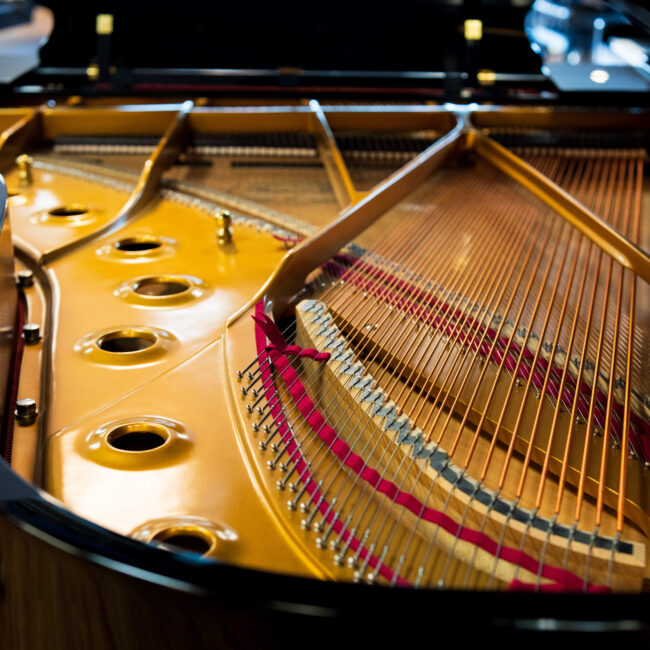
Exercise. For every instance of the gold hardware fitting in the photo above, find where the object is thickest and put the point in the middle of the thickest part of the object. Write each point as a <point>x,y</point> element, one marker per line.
<point>24,163</point>
<point>92,71</point>
<point>486,77</point>
<point>224,227</point>
<point>104,24</point>
<point>473,30</point>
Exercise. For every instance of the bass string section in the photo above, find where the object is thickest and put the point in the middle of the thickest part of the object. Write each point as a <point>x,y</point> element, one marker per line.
<point>464,404</point>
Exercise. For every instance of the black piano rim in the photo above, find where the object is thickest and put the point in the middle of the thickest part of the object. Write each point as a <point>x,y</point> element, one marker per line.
<point>328,602</point>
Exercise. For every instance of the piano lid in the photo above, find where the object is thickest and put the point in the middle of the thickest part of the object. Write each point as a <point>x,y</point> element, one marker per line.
<point>591,46</point>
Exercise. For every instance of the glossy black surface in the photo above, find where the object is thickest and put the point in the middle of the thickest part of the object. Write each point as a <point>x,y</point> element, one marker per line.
<point>364,612</point>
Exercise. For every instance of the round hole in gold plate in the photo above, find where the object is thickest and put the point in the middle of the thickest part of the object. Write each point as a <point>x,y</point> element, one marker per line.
<point>126,346</point>
<point>161,287</point>
<point>138,443</point>
<point>137,249</point>
<point>72,214</point>
<point>137,245</point>
<point>187,539</point>
<point>189,534</point>
<point>161,290</point>
<point>73,210</point>
<point>138,437</point>
<point>126,341</point>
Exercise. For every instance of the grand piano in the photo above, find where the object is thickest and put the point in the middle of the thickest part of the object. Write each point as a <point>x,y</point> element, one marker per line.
<point>325,333</point>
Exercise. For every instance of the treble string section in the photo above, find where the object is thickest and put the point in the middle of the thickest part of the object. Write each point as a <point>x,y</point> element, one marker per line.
<point>485,515</point>
<point>559,236</point>
<point>542,484</point>
<point>466,206</point>
<point>402,295</point>
<point>422,566</point>
<point>559,394</point>
<point>609,211</point>
<point>449,380</point>
<point>589,155</point>
<point>451,450</point>
<point>477,346</point>
<point>495,269</point>
<point>444,316</point>
<point>585,193</point>
<point>624,226</point>
<point>593,169</point>
<point>636,172</point>
<point>574,242</point>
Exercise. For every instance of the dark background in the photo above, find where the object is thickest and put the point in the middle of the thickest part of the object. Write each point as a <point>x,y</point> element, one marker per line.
<point>334,35</point>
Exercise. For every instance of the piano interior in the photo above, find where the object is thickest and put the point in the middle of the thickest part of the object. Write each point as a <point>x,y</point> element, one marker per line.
<point>393,344</point>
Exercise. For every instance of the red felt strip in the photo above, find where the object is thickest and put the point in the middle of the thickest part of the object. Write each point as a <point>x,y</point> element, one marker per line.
<point>311,486</point>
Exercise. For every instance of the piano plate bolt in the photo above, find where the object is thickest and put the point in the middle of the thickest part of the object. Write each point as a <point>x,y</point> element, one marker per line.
<point>24,163</point>
<point>224,228</point>
<point>25,279</point>
<point>26,412</point>
<point>31,333</point>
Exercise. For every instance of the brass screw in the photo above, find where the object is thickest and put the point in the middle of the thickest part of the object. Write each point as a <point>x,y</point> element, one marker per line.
<point>24,163</point>
<point>224,227</point>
